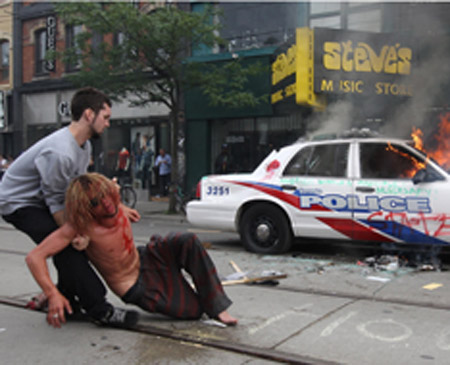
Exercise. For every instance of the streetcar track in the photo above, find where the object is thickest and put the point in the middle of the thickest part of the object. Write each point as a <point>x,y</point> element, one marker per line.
<point>238,348</point>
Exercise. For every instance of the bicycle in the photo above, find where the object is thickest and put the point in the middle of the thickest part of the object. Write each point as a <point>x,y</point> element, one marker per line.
<point>128,195</point>
<point>181,199</point>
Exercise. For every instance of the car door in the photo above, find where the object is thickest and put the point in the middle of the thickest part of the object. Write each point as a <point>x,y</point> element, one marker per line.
<point>317,177</point>
<point>389,207</point>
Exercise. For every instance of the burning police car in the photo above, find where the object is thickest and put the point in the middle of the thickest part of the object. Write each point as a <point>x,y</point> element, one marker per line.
<point>365,189</point>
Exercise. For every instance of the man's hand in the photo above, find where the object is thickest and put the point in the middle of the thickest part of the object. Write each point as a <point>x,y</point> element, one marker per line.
<point>132,214</point>
<point>57,303</point>
<point>80,242</point>
<point>116,182</point>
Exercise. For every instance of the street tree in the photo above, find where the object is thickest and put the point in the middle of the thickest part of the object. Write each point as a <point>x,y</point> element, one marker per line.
<point>139,54</point>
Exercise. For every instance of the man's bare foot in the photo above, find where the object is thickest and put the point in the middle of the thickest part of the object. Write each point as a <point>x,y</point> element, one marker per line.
<point>227,319</point>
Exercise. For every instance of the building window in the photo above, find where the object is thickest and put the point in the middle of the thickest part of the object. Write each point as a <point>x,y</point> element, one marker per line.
<point>72,32</point>
<point>4,57</point>
<point>352,16</point>
<point>40,40</point>
<point>368,21</point>
<point>323,7</point>
<point>326,22</point>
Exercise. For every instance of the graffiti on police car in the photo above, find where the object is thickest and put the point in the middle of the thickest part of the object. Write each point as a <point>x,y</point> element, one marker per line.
<point>435,225</point>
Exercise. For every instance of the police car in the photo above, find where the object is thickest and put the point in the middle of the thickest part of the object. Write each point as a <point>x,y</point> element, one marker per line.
<point>364,189</point>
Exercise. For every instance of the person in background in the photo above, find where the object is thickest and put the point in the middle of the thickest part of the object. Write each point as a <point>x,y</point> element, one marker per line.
<point>123,165</point>
<point>146,165</point>
<point>32,200</point>
<point>164,164</point>
<point>224,161</point>
<point>136,153</point>
<point>3,165</point>
<point>149,276</point>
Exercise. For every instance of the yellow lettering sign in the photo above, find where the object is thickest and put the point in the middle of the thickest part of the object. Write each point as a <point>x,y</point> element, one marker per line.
<point>277,96</point>
<point>327,85</point>
<point>284,65</point>
<point>387,88</point>
<point>363,58</point>
<point>351,86</point>
<point>289,90</point>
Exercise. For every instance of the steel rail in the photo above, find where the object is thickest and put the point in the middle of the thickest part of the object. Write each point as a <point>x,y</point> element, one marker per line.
<point>244,349</point>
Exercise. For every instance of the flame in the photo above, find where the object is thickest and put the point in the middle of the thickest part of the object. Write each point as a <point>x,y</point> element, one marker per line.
<point>417,164</point>
<point>441,152</point>
<point>417,136</point>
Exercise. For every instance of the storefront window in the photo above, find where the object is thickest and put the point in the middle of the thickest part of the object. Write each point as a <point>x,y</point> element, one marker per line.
<point>249,141</point>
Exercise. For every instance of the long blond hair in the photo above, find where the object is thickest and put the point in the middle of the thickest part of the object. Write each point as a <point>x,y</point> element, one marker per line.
<point>79,211</point>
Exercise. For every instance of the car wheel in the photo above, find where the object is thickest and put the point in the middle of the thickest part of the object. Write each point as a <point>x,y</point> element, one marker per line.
<point>265,229</point>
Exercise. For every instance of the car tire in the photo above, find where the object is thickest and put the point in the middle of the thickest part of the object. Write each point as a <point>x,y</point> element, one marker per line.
<point>265,229</point>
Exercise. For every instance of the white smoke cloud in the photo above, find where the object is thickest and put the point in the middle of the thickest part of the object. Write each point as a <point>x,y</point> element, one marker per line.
<point>333,121</point>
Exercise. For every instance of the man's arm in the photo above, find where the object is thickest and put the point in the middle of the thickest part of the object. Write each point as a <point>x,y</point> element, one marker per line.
<point>132,214</point>
<point>59,217</point>
<point>36,261</point>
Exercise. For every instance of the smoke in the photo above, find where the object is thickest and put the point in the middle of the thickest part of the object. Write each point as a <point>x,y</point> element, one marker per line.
<point>429,77</point>
<point>336,119</point>
<point>428,81</point>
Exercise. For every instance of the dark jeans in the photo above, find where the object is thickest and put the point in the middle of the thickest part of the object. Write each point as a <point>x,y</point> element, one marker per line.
<point>164,181</point>
<point>77,280</point>
<point>146,178</point>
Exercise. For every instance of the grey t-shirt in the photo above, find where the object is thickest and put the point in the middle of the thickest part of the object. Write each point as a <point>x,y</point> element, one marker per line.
<point>41,174</point>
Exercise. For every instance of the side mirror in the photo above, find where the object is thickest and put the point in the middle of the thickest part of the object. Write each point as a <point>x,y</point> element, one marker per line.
<point>426,175</point>
<point>420,176</point>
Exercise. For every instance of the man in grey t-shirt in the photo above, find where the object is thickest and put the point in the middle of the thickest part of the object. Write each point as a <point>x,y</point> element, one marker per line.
<point>32,199</point>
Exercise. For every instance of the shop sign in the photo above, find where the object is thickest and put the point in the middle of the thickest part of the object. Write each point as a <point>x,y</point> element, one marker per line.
<point>64,109</point>
<point>283,75</point>
<point>292,72</point>
<point>360,63</point>
<point>306,94</point>
<point>50,40</point>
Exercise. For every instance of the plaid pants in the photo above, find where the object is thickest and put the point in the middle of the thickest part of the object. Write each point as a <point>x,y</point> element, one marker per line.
<point>161,286</point>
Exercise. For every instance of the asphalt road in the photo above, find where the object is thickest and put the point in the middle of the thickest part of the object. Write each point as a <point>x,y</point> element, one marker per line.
<point>329,309</point>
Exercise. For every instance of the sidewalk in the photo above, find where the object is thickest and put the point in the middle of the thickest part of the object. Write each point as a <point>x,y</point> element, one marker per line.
<point>154,206</point>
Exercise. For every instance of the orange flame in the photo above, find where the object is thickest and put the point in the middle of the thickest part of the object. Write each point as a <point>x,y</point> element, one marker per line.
<point>417,164</point>
<point>441,152</point>
<point>417,135</point>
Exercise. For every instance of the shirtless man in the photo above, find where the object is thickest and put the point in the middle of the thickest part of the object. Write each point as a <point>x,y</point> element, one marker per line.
<point>148,276</point>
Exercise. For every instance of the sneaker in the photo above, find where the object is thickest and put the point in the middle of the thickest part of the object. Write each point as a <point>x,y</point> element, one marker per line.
<point>120,318</point>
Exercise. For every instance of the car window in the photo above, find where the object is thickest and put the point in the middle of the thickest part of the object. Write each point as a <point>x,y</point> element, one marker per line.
<point>388,161</point>
<point>320,160</point>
